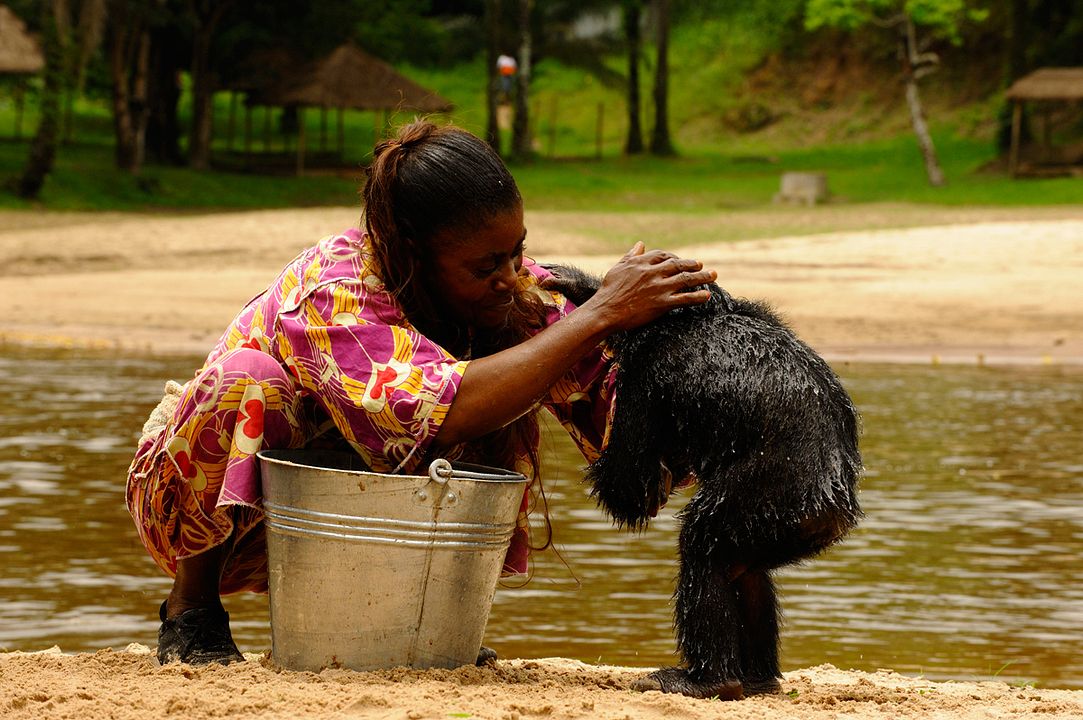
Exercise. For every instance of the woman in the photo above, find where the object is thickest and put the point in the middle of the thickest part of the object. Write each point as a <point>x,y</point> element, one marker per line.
<point>428,334</point>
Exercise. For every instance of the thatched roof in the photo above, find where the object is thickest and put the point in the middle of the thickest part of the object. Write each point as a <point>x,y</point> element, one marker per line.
<point>260,70</point>
<point>1049,84</point>
<point>351,78</point>
<point>19,52</point>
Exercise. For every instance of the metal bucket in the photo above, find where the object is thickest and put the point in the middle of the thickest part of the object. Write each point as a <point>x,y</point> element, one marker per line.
<point>369,571</point>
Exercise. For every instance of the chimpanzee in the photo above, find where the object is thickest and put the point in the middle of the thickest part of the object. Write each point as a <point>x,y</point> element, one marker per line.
<point>724,394</point>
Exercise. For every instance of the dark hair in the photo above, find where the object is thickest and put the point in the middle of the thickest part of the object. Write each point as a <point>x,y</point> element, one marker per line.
<point>425,181</point>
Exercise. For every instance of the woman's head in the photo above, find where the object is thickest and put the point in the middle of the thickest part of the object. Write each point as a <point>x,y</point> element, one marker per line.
<point>445,219</point>
<point>446,222</point>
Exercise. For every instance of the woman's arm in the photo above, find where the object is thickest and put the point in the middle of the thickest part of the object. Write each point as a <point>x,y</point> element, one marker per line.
<point>499,388</point>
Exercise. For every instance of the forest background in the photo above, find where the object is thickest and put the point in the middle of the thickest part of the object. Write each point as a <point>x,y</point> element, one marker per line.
<point>723,96</point>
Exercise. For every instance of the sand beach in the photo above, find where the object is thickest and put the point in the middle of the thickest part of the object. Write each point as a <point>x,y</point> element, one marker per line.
<point>992,288</point>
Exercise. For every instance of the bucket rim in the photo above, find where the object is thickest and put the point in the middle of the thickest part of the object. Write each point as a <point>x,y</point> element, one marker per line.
<point>459,470</point>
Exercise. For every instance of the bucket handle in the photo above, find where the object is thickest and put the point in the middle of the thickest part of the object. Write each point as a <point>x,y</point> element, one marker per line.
<point>440,471</point>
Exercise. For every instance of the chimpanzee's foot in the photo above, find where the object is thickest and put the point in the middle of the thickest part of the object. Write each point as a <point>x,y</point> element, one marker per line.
<point>676,680</point>
<point>486,656</point>
<point>761,686</point>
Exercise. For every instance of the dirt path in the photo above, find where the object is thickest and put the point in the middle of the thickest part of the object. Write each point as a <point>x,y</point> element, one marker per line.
<point>1004,291</point>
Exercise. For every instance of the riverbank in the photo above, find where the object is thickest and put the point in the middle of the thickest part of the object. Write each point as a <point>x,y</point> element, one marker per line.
<point>130,684</point>
<point>965,291</point>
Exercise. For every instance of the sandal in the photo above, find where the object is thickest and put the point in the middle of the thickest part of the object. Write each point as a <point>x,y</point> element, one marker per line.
<point>198,637</point>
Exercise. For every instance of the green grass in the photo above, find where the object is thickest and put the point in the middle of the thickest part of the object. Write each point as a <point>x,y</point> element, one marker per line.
<point>711,180</point>
<point>714,172</point>
<point>703,181</point>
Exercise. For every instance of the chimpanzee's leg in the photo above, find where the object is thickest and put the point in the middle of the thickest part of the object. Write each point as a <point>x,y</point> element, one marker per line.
<point>706,614</point>
<point>759,618</point>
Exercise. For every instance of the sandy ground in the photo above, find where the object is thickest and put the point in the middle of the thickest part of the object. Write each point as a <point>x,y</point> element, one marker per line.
<point>1004,290</point>
<point>963,291</point>
<point>131,684</point>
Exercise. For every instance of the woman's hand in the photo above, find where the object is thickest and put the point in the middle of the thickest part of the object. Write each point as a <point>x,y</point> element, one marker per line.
<point>499,388</point>
<point>643,285</point>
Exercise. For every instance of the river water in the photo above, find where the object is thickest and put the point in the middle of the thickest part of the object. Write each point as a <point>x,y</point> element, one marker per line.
<point>969,564</point>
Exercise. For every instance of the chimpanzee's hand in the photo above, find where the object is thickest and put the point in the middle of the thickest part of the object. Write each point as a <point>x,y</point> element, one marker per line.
<point>571,282</point>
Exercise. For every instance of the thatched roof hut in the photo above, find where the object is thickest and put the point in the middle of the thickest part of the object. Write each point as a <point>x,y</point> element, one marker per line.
<point>1049,84</point>
<point>1045,85</point>
<point>19,52</point>
<point>347,79</point>
<point>351,78</point>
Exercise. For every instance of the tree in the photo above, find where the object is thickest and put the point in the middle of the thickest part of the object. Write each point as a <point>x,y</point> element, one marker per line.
<point>128,47</point>
<point>520,128</point>
<point>169,53</point>
<point>661,144</point>
<point>80,43</point>
<point>43,149</point>
<point>940,19</point>
<point>205,14</point>
<point>492,50</point>
<point>632,18</point>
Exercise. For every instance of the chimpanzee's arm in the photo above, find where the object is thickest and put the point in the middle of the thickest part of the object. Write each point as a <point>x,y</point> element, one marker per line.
<point>571,282</point>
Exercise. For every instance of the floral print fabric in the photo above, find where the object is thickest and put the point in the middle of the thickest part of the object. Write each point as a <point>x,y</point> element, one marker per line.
<point>324,352</point>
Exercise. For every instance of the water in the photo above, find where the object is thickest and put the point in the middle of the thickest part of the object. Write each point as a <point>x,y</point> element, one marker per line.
<point>969,564</point>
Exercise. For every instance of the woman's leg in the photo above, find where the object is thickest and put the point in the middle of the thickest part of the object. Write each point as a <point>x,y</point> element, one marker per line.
<point>198,581</point>
<point>197,506</point>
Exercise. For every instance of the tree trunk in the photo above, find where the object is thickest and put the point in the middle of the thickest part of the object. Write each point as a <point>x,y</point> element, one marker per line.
<point>43,150</point>
<point>634,143</point>
<point>492,49</point>
<point>163,94</point>
<point>915,66</point>
<point>1019,39</point>
<point>199,136</point>
<point>921,129</point>
<point>124,38</point>
<point>661,144</point>
<point>139,107</point>
<point>207,14</point>
<point>520,129</point>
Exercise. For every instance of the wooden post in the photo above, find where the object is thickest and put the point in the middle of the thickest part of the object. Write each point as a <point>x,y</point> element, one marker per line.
<point>231,121</point>
<point>600,132</point>
<point>69,116</point>
<point>300,141</point>
<point>323,128</point>
<point>1013,153</point>
<point>341,134</point>
<point>266,128</point>
<point>247,129</point>
<point>20,97</point>
<point>553,126</point>
<point>1047,134</point>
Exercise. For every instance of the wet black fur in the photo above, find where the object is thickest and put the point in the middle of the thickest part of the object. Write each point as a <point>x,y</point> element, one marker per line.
<point>725,393</point>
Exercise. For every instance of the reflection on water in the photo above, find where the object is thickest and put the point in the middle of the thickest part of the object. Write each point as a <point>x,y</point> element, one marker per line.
<point>968,564</point>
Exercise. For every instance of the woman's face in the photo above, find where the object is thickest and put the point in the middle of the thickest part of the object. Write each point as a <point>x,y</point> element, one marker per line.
<point>474,270</point>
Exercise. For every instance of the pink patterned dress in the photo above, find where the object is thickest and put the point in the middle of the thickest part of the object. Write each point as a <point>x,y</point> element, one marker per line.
<point>324,351</point>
